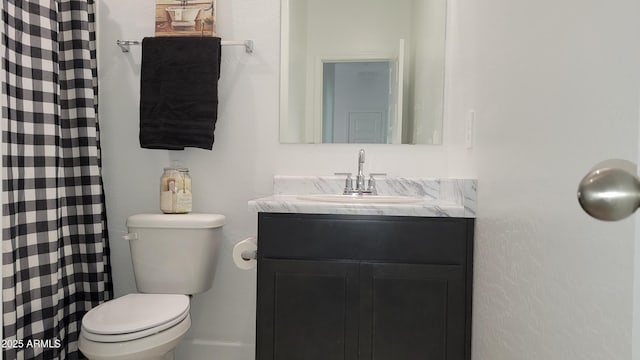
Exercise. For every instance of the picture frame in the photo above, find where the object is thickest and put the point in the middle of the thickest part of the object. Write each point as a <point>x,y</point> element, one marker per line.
<point>185,18</point>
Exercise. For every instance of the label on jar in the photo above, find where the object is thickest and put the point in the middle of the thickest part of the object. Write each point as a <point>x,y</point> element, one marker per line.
<point>183,201</point>
<point>166,201</point>
<point>168,184</point>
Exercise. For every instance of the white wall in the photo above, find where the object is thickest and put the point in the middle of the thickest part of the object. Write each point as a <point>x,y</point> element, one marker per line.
<point>427,77</point>
<point>297,69</point>
<point>380,23</point>
<point>245,157</point>
<point>556,87</point>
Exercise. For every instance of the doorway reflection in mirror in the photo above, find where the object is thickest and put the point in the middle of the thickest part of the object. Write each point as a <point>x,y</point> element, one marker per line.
<point>374,73</point>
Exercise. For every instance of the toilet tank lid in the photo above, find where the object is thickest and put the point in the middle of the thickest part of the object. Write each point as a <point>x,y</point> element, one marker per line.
<point>176,221</point>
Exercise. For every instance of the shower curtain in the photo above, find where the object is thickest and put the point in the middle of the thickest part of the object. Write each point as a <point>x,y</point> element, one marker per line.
<point>54,241</point>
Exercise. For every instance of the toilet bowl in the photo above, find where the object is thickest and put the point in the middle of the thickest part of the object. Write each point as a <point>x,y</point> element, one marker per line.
<point>135,326</point>
<point>173,257</point>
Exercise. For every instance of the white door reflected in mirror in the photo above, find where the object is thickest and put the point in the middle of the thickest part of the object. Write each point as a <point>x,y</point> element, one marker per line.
<point>362,71</point>
<point>356,102</point>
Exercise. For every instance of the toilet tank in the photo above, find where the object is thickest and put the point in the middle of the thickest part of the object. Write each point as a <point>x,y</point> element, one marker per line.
<point>174,253</point>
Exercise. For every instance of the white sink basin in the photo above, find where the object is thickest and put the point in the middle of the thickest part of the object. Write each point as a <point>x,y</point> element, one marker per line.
<point>360,199</point>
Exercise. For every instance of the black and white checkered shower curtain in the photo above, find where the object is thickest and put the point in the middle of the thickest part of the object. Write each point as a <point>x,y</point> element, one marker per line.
<point>55,247</point>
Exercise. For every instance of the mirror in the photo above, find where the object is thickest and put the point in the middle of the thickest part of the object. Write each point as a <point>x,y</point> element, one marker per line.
<point>362,71</point>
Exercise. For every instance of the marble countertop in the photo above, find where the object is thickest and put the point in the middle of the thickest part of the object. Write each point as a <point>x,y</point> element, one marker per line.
<point>291,204</point>
<point>439,197</point>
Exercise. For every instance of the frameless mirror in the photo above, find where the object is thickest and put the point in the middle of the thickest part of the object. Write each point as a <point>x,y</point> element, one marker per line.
<point>362,71</point>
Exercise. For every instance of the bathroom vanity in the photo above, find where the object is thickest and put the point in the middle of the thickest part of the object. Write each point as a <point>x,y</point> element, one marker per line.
<point>359,281</point>
<point>363,287</point>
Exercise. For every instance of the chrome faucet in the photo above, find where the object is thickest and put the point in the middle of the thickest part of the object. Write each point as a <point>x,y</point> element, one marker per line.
<point>360,188</point>
<point>360,176</point>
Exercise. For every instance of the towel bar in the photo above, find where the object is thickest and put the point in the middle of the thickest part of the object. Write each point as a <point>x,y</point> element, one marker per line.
<point>248,44</point>
<point>124,44</point>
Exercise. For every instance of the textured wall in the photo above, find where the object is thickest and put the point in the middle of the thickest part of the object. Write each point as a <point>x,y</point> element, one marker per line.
<point>556,92</point>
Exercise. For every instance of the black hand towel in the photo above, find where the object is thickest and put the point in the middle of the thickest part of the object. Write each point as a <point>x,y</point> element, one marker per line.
<point>179,92</point>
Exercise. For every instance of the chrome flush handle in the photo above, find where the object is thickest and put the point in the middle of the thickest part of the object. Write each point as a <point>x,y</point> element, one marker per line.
<point>130,236</point>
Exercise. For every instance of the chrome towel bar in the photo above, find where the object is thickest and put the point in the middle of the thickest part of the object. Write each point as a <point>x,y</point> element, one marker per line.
<point>248,44</point>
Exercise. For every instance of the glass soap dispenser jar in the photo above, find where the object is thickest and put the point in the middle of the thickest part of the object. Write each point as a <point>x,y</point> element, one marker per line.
<point>175,191</point>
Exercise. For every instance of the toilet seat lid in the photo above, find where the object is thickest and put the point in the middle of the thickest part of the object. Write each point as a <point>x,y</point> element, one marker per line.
<point>134,313</point>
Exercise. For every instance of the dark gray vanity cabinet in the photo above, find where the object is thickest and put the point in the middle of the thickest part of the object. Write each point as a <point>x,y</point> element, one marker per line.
<point>347,287</point>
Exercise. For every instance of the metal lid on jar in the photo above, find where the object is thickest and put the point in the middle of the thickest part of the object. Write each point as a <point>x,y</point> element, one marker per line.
<point>176,169</point>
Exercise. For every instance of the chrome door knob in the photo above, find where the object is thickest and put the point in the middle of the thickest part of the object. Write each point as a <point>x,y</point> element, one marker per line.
<point>609,193</point>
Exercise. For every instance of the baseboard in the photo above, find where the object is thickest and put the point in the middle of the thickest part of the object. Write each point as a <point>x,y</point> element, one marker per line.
<point>195,349</point>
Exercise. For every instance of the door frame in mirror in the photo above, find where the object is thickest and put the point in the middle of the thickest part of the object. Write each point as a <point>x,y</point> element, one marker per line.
<point>315,122</point>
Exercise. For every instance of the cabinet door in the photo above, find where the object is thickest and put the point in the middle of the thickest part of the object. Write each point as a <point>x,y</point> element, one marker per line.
<point>412,312</point>
<point>307,310</point>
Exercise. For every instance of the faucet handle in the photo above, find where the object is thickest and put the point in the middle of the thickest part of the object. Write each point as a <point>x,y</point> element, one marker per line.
<point>348,183</point>
<point>371,185</point>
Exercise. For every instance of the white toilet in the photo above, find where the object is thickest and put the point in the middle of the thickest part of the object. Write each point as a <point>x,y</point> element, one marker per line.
<point>173,256</point>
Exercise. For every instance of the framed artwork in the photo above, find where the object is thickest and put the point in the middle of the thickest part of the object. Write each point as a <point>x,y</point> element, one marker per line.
<point>185,17</point>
